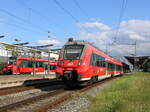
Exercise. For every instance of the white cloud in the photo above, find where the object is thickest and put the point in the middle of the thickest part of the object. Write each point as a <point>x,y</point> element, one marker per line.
<point>139,29</point>
<point>137,37</point>
<point>44,42</point>
<point>129,32</point>
<point>94,25</point>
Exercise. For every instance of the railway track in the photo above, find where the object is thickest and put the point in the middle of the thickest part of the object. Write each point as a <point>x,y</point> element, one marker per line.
<point>46,101</point>
<point>10,90</point>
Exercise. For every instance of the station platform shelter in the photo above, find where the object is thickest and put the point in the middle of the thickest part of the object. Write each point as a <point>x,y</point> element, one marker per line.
<point>137,61</point>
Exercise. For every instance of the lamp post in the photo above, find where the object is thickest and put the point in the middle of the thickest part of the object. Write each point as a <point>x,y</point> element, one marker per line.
<point>2,36</point>
<point>48,63</point>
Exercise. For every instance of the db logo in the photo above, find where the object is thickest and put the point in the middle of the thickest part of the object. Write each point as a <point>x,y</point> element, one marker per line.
<point>69,64</point>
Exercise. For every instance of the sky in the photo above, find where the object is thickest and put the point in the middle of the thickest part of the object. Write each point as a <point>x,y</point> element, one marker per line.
<point>42,22</point>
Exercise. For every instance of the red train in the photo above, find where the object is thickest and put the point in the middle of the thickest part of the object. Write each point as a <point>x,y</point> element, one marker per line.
<point>26,65</point>
<point>79,61</point>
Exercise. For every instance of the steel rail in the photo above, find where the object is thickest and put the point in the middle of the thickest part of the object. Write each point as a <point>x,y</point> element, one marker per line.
<point>53,104</point>
<point>8,108</point>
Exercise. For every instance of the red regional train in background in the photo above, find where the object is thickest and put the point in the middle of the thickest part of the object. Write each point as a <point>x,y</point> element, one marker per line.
<point>26,65</point>
<point>79,61</point>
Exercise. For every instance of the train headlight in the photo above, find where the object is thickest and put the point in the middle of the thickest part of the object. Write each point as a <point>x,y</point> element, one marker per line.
<point>80,62</point>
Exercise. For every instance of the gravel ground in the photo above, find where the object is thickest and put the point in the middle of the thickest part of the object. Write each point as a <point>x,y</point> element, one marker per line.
<point>79,103</point>
<point>76,104</point>
<point>16,97</point>
<point>73,105</point>
<point>38,104</point>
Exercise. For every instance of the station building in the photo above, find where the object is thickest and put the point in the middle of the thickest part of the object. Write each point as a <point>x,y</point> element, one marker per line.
<point>137,61</point>
<point>25,52</point>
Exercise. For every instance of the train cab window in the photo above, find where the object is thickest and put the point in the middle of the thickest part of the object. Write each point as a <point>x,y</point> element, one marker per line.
<point>12,60</point>
<point>72,52</point>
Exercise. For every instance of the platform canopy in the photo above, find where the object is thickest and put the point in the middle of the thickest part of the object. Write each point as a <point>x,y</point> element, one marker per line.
<point>137,61</point>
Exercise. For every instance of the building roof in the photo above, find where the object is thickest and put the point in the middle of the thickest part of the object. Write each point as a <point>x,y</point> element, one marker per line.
<point>137,60</point>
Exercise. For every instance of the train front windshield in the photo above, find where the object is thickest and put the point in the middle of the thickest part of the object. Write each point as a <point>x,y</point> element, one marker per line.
<point>12,60</point>
<point>72,52</point>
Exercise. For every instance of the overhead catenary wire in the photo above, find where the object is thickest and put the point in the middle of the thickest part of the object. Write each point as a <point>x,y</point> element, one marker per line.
<point>66,11</point>
<point>122,49</point>
<point>76,20</point>
<point>18,26</point>
<point>43,16</point>
<point>23,20</point>
<point>81,9</point>
<point>123,7</point>
<point>69,13</point>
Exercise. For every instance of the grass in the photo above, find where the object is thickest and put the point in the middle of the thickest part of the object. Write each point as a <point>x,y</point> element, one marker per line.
<point>131,93</point>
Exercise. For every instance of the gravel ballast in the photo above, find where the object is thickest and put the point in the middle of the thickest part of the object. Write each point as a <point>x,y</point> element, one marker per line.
<point>80,103</point>
<point>20,96</point>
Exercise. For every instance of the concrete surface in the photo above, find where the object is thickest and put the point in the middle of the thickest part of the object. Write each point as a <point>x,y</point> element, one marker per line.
<point>18,80</point>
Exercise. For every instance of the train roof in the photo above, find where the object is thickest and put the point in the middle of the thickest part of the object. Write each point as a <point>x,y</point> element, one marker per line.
<point>37,59</point>
<point>82,42</point>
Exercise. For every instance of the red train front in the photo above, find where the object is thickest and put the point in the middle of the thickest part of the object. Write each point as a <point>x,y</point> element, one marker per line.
<point>80,61</point>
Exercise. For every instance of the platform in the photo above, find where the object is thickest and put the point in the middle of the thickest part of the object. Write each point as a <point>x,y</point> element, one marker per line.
<point>18,80</point>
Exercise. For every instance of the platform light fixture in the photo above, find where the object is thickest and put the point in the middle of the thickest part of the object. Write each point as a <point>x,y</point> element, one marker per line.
<point>2,36</point>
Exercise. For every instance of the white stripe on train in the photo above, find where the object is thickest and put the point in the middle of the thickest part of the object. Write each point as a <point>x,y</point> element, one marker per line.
<point>101,77</point>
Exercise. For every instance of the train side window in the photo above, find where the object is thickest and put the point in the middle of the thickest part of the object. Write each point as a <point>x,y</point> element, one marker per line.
<point>118,67</point>
<point>97,60</point>
<point>30,64</point>
<point>24,63</point>
<point>34,64</point>
<point>92,59</point>
<point>98,63</point>
<point>110,67</point>
<point>103,63</point>
<point>42,64</point>
<point>52,67</point>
